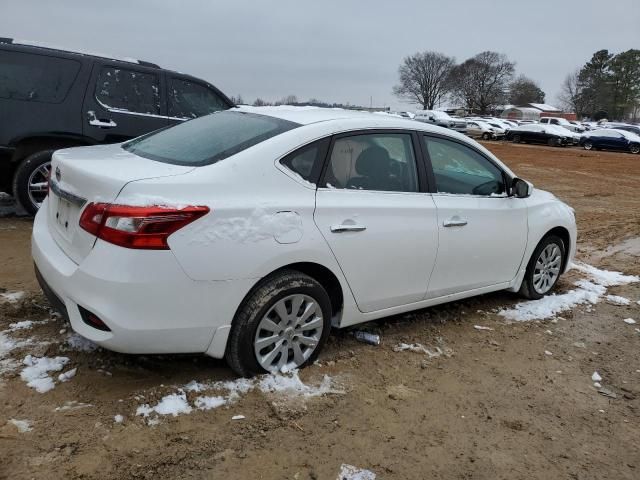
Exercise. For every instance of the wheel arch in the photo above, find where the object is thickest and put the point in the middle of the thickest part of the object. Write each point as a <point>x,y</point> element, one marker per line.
<point>565,236</point>
<point>323,275</point>
<point>26,146</point>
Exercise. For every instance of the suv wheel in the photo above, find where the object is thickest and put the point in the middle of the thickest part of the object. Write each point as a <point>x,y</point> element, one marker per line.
<point>30,182</point>
<point>281,325</point>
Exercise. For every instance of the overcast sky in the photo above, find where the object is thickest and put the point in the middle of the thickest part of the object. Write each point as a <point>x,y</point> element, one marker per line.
<point>334,50</point>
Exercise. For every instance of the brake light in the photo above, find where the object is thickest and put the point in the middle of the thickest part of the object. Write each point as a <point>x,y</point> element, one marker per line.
<point>137,227</point>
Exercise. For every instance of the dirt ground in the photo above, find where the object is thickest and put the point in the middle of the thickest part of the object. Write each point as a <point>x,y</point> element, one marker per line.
<point>514,402</point>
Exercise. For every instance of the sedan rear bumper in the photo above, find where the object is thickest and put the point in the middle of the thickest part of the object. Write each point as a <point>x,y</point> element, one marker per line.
<point>143,296</point>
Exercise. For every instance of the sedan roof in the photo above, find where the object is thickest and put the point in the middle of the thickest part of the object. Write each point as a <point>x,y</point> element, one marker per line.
<point>308,115</point>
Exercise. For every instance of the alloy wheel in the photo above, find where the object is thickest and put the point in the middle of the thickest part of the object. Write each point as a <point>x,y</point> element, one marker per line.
<point>547,268</point>
<point>588,145</point>
<point>288,333</point>
<point>38,184</point>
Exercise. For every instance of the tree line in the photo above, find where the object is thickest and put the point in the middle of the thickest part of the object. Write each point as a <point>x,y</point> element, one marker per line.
<point>479,84</point>
<point>607,86</point>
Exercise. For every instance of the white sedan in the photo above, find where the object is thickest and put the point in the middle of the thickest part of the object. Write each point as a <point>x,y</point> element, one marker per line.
<point>247,234</point>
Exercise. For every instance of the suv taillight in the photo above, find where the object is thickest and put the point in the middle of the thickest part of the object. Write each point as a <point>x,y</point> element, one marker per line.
<point>137,227</point>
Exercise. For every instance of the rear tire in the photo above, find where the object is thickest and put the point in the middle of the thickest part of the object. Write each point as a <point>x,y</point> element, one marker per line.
<point>30,181</point>
<point>587,145</point>
<point>516,139</point>
<point>248,329</point>
<point>541,275</point>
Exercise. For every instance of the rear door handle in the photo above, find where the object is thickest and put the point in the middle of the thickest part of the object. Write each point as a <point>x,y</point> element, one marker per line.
<point>347,228</point>
<point>100,123</point>
<point>455,222</point>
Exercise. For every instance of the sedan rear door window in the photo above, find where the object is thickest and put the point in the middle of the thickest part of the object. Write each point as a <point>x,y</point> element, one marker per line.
<point>459,169</point>
<point>381,161</point>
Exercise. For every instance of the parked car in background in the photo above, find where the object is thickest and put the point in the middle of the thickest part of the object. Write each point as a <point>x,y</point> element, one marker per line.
<point>536,133</point>
<point>561,122</point>
<point>610,139</point>
<point>481,129</point>
<point>52,99</point>
<point>625,126</point>
<point>268,232</point>
<point>573,138</point>
<point>477,129</point>
<point>442,119</point>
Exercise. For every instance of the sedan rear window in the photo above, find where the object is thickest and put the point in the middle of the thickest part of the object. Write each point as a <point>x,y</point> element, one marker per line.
<point>208,139</point>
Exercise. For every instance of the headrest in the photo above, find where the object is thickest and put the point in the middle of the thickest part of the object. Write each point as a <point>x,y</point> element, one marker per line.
<point>373,161</point>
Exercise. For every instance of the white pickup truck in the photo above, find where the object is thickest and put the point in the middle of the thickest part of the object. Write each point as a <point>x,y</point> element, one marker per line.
<point>561,122</point>
<point>442,119</point>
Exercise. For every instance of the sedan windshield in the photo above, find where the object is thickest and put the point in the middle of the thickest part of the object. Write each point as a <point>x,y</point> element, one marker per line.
<point>208,139</point>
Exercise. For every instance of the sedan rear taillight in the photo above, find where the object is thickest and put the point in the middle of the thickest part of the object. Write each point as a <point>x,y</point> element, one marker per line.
<point>137,227</point>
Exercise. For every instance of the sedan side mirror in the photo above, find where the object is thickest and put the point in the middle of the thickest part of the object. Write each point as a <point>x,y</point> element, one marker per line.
<point>520,188</point>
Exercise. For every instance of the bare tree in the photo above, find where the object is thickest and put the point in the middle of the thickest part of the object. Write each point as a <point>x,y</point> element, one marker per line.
<point>260,102</point>
<point>237,100</point>
<point>424,78</point>
<point>571,94</point>
<point>288,100</point>
<point>481,83</point>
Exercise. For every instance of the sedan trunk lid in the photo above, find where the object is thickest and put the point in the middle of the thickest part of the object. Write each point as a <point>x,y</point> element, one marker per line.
<point>92,174</point>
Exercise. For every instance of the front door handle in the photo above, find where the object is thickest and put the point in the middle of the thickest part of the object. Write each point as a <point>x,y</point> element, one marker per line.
<point>455,222</point>
<point>100,123</point>
<point>347,228</point>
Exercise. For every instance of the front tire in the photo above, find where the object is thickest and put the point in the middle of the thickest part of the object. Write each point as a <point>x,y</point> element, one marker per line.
<point>486,136</point>
<point>30,182</point>
<point>587,145</point>
<point>281,325</point>
<point>516,139</point>
<point>544,268</point>
<point>635,149</point>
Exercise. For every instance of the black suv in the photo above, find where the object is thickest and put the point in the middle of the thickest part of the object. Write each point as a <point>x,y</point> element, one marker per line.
<point>51,99</point>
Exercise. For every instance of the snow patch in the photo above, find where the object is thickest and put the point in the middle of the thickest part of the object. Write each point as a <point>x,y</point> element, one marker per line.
<point>118,418</point>
<point>79,343</point>
<point>629,321</point>
<point>23,426</point>
<point>349,472</point>
<point>208,403</point>
<point>25,325</point>
<point>238,417</point>
<point>12,297</point>
<point>288,385</point>
<point>551,305</point>
<point>173,404</point>
<point>36,372</point>
<point>617,300</point>
<point>595,376</point>
<point>588,291</point>
<point>68,375</point>
<point>606,278</point>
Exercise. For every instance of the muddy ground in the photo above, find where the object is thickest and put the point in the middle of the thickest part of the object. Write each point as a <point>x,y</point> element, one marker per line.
<point>514,402</point>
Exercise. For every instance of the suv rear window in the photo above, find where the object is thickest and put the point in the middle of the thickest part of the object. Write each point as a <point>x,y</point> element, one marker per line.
<point>36,78</point>
<point>208,139</point>
<point>190,100</point>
